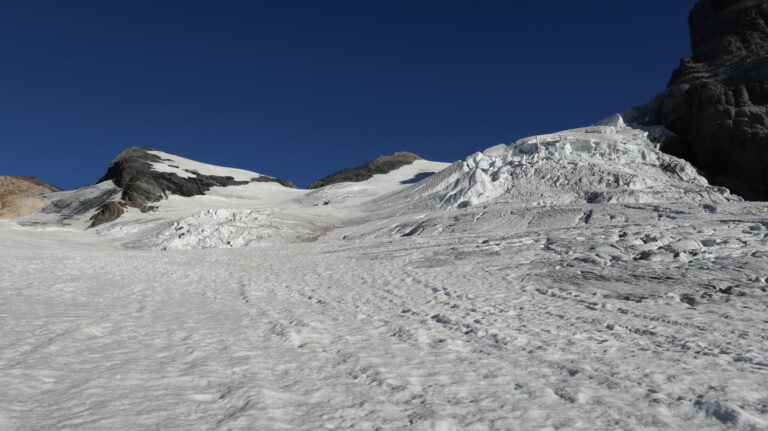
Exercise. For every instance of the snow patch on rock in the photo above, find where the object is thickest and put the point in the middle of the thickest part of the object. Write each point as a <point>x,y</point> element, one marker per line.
<point>187,168</point>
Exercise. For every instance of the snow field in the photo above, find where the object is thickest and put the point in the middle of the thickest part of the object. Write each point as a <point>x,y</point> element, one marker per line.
<point>581,280</point>
<point>460,331</point>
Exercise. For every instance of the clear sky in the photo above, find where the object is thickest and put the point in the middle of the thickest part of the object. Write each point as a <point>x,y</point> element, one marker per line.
<point>298,89</point>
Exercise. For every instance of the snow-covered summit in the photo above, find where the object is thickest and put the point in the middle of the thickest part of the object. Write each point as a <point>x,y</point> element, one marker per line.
<point>148,175</point>
<point>188,168</point>
<point>608,162</point>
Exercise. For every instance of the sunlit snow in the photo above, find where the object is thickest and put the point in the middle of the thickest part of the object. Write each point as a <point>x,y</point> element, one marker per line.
<point>578,280</point>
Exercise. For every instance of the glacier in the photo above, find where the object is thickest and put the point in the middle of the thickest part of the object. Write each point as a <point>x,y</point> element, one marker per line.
<point>576,280</point>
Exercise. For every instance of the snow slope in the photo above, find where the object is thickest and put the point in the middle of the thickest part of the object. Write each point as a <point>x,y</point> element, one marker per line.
<point>556,328</point>
<point>258,213</point>
<point>608,163</point>
<point>579,281</point>
<point>351,194</point>
<point>186,168</point>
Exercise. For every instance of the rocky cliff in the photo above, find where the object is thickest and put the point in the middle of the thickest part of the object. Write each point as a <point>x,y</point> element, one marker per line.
<point>716,104</point>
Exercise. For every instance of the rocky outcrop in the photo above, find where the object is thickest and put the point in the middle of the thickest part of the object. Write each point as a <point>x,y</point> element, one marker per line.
<point>716,104</point>
<point>266,179</point>
<point>108,212</point>
<point>132,171</point>
<point>18,195</point>
<point>380,165</point>
<point>139,177</point>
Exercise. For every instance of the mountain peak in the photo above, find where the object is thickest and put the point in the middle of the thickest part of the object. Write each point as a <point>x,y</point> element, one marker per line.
<point>140,176</point>
<point>148,175</point>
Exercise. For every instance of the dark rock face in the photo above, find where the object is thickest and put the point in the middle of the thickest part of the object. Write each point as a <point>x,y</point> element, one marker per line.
<point>266,179</point>
<point>716,103</point>
<point>141,185</point>
<point>132,171</point>
<point>380,165</point>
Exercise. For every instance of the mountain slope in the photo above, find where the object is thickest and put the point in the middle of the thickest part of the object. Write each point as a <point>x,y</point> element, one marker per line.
<point>147,175</point>
<point>141,176</point>
<point>260,214</point>
<point>584,319</point>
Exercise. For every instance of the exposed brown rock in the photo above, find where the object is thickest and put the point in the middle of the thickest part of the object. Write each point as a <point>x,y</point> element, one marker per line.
<point>108,212</point>
<point>17,195</point>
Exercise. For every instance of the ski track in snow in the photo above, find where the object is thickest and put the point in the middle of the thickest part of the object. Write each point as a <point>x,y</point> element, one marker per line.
<point>555,289</point>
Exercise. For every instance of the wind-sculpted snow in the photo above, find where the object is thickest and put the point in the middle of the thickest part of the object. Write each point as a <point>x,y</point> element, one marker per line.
<point>605,163</point>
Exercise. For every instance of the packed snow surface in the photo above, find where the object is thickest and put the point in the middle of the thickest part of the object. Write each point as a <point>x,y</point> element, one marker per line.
<point>616,291</point>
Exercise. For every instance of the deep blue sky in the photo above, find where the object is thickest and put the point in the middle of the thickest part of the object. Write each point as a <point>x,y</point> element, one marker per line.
<point>298,89</point>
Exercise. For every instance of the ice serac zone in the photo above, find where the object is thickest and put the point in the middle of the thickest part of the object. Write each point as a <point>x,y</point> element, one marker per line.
<point>604,163</point>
